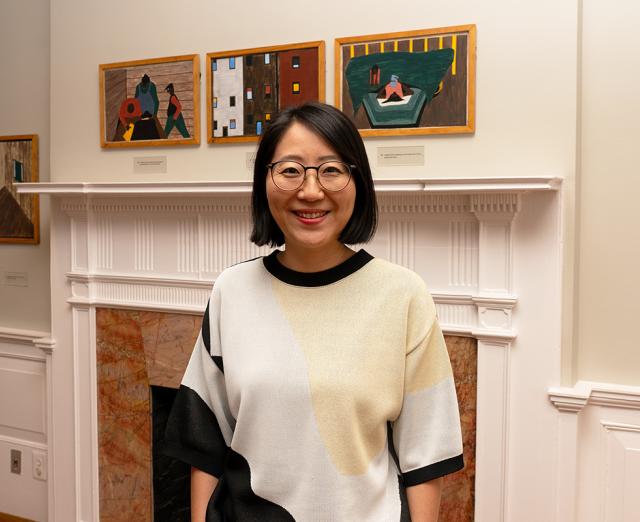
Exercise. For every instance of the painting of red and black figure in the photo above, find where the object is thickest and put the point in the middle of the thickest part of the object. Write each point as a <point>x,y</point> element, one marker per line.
<point>19,213</point>
<point>247,88</point>
<point>411,82</point>
<point>150,102</point>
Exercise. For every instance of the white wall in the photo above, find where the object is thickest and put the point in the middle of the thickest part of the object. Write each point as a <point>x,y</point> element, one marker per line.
<point>24,106</point>
<point>526,77</point>
<point>609,241</point>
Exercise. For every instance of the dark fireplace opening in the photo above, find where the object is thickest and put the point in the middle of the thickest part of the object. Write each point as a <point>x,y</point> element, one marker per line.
<point>171,478</point>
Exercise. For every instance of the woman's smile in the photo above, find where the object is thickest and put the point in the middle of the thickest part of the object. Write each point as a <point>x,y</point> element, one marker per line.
<point>311,217</point>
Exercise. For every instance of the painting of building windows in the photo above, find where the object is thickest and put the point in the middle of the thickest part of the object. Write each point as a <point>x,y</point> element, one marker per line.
<point>247,88</point>
<point>150,102</point>
<point>19,213</point>
<point>412,82</point>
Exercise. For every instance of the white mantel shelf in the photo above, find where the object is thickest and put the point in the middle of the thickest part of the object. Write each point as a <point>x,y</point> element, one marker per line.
<point>435,185</point>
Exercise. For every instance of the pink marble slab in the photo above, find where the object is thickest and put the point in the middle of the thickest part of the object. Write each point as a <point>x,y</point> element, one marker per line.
<point>134,350</point>
<point>168,341</point>
<point>458,499</point>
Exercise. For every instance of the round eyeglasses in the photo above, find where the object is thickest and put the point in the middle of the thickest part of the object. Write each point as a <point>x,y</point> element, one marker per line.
<point>290,175</point>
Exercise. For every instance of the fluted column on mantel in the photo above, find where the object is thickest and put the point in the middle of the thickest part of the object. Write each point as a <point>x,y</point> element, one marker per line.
<point>494,303</point>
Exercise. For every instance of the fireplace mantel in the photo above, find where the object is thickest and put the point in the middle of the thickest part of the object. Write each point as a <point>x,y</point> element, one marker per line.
<point>465,185</point>
<point>121,241</point>
<point>488,248</point>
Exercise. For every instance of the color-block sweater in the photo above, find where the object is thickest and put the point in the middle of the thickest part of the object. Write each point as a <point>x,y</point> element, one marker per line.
<point>317,396</point>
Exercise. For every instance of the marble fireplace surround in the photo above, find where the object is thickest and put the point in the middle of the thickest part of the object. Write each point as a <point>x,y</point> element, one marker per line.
<point>138,349</point>
<point>160,246</point>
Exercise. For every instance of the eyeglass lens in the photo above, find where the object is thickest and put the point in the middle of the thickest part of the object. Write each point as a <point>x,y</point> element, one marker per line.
<point>290,175</point>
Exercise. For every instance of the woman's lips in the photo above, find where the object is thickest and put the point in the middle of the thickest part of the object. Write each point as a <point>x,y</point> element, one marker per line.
<point>310,217</point>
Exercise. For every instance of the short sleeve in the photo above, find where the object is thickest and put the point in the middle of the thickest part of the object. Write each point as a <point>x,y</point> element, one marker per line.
<point>200,425</point>
<point>426,435</point>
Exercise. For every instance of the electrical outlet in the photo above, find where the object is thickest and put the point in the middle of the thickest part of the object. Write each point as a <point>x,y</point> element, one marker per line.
<point>39,461</point>
<point>16,461</point>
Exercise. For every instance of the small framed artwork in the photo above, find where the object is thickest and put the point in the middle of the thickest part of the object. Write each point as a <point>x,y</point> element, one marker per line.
<point>411,82</point>
<point>247,88</point>
<point>19,213</point>
<point>147,103</point>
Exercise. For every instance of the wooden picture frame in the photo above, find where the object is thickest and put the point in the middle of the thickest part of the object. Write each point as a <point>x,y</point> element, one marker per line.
<point>389,86</point>
<point>19,213</point>
<point>255,84</point>
<point>140,98</point>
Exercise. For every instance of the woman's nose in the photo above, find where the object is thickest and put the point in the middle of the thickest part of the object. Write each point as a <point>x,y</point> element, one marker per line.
<point>311,189</point>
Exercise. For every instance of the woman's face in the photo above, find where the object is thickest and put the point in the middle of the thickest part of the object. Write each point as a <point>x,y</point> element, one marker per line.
<point>309,217</point>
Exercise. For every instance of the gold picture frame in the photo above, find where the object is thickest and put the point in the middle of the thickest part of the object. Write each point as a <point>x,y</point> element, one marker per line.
<point>19,213</point>
<point>150,103</point>
<point>255,84</point>
<point>392,84</point>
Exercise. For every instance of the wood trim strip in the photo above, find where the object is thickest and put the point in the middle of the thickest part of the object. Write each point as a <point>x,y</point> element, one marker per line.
<point>5,517</point>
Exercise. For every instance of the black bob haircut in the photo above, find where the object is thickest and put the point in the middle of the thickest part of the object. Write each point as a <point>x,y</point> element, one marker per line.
<point>332,126</point>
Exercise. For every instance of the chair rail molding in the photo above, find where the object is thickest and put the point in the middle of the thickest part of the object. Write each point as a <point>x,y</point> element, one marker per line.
<point>596,394</point>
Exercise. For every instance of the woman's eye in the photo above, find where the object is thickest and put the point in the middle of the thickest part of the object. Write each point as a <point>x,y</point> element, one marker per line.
<point>331,171</point>
<point>290,172</point>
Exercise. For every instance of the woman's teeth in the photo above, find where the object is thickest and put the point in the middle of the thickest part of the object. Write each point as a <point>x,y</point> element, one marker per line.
<point>311,215</point>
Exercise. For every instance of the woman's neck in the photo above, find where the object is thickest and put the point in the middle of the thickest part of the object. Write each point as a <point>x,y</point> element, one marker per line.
<point>314,260</point>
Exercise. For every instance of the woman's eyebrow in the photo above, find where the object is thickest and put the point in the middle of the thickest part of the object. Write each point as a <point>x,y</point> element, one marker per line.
<point>296,157</point>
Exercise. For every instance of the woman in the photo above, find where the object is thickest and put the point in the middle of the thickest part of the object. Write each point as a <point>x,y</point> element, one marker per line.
<point>320,387</point>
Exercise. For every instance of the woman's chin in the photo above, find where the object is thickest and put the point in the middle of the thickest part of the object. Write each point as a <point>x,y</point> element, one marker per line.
<point>311,242</point>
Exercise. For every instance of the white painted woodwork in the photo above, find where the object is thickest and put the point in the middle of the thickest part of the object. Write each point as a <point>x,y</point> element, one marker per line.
<point>160,246</point>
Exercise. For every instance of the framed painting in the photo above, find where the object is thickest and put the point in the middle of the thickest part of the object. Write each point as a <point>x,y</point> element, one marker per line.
<point>19,213</point>
<point>150,103</point>
<point>247,88</point>
<point>411,82</point>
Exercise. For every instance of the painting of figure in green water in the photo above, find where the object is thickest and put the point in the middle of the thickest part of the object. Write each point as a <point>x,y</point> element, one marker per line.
<point>417,82</point>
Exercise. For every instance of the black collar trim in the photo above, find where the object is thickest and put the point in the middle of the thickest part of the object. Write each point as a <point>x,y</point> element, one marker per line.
<point>325,277</point>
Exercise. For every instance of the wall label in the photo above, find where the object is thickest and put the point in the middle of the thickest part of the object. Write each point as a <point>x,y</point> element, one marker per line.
<point>150,165</point>
<point>405,156</point>
<point>251,159</point>
<point>16,279</point>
